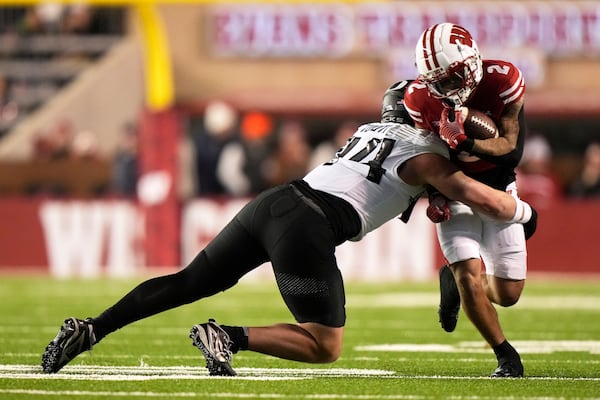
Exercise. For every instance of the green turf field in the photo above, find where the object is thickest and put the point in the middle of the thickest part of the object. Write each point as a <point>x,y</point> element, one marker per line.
<point>394,347</point>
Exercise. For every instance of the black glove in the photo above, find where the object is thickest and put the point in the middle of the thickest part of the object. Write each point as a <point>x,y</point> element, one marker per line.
<point>530,226</point>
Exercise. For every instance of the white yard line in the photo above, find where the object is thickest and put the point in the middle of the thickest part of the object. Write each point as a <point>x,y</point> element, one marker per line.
<point>145,373</point>
<point>524,347</point>
<point>121,373</point>
<point>104,394</point>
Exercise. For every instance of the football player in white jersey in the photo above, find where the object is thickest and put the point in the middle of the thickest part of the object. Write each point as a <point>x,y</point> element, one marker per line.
<point>297,227</point>
<point>452,73</point>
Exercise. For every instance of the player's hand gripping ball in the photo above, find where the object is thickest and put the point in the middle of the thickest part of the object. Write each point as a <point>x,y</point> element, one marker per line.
<point>459,127</point>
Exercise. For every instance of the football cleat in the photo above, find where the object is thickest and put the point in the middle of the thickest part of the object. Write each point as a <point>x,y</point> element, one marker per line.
<point>508,370</point>
<point>449,300</point>
<point>214,343</point>
<point>75,337</point>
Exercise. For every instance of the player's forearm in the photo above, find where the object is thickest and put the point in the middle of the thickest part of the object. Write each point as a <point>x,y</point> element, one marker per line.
<point>496,204</point>
<point>496,147</point>
<point>506,145</point>
<point>510,159</point>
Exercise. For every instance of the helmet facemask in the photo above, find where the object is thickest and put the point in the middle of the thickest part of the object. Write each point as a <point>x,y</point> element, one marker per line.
<point>458,82</point>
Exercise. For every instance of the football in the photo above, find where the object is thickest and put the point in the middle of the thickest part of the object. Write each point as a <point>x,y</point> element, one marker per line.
<point>478,125</point>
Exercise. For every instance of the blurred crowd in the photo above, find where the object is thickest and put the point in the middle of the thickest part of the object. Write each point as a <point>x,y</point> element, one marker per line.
<point>241,154</point>
<point>52,17</point>
<point>225,152</point>
<point>9,109</point>
<point>44,46</point>
<point>537,178</point>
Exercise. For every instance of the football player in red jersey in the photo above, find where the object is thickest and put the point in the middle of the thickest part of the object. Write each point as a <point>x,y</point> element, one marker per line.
<point>451,75</point>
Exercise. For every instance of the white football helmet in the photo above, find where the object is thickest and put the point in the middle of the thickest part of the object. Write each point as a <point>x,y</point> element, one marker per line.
<point>449,62</point>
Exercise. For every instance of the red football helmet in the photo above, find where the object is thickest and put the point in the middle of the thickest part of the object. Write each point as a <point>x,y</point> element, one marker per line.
<point>449,62</point>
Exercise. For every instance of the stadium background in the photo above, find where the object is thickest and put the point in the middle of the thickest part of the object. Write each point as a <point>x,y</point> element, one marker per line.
<point>322,63</point>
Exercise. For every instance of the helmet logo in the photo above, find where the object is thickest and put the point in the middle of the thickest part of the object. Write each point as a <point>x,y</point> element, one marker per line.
<point>448,62</point>
<point>460,35</point>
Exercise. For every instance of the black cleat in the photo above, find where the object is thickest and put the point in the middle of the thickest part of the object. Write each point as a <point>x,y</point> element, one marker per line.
<point>508,370</point>
<point>75,337</point>
<point>449,300</point>
<point>214,343</point>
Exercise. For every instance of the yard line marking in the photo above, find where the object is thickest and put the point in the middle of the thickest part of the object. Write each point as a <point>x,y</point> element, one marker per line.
<point>143,373</point>
<point>122,373</point>
<point>476,347</point>
<point>532,378</point>
<point>144,357</point>
<point>134,378</point>
<point>186,369</point>
<point>86,393</point>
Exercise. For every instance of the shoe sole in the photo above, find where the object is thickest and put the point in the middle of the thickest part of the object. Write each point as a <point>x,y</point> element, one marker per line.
<point>49,363</point>
<point>447,322</point>
<point>448,317</point>
<point>215,367</point>
<point>507,373</point>
<point>56,356</point>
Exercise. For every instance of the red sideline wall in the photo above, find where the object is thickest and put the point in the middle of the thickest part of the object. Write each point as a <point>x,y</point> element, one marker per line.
<point>566,239</point>
<point>21,234</point>
<point>85,238</point>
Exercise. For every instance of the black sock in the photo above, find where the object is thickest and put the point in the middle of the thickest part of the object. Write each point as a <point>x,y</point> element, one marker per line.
<point>239,337</point>
<point>505,352</point>
<point>156,295</point>
<point>148,298</point>
<point>97,323</point>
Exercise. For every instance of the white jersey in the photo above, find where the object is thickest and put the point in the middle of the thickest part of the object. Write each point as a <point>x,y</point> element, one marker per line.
<point>364,172</point>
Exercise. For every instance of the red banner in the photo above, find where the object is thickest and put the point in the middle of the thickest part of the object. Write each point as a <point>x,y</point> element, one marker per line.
<point>557,28</point>
<point>107,238</point>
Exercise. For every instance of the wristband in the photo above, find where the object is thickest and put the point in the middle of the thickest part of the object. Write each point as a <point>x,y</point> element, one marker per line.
<point>522,212</point>
<point>466,145</point>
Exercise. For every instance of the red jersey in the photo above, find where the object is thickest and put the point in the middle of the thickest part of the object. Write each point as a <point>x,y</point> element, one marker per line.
<point>502,85</point>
